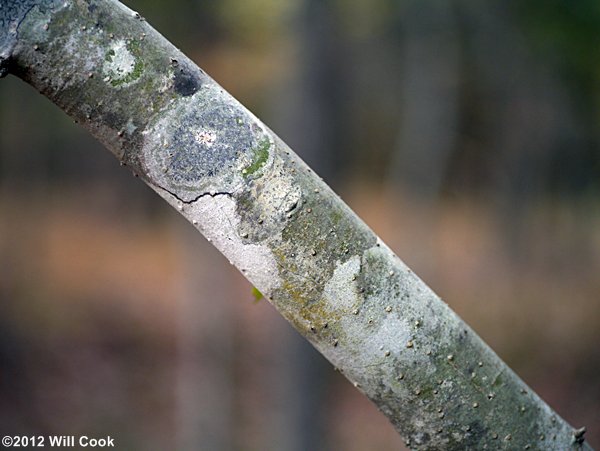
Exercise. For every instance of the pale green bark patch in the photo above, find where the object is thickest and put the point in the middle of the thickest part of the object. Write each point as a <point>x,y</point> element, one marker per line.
<point>261,155</point>
<point>122,64</point>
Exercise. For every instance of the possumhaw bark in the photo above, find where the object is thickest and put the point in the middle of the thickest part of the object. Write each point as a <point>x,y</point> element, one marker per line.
<point>279,223</point>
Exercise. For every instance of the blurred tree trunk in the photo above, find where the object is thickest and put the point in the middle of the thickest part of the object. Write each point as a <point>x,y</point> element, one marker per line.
<point>429,111</point>
<point>429,101</point>
<point>280,224</point>
<point>205,394</point>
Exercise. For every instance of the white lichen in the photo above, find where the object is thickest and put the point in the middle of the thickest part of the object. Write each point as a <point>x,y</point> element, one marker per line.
<point>130,127</point>
<point>166,82</point>
<point>393,333</point>
<point>219,222</point>
<point>340,291</point>
<point>279,196</point>
<point>216,217</point>
<point>205,137</point>
<point>119,61</point>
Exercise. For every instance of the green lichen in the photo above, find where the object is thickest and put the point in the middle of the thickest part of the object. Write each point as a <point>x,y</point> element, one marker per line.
<point>133,75</point>
<point>108,56</point>
<point>316,241</point>
<point>261,154</point>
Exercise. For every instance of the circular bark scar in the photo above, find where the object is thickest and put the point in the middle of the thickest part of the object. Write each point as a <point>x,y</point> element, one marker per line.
<point>207,142</point>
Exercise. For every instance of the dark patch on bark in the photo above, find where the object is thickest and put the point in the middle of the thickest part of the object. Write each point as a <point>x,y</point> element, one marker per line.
<point>187,80</point>
<point>422,438</point>
<point>112,119</point>
<point>473,438</point>
<point>130,156</point>
<point>4,65</point>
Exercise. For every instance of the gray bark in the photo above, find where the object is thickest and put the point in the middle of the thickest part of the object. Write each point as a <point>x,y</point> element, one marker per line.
<point>287,232</point>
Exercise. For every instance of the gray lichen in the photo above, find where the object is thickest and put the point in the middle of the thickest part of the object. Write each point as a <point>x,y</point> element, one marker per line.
<point>203,144</point>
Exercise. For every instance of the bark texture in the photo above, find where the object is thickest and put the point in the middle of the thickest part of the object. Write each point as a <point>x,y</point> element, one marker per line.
<point>273,218</point>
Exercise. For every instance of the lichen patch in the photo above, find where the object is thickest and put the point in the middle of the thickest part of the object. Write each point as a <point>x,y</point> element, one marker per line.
<point>392,333</point>
<point>216,217</point>
<point>205,137</point>
<point>203,145</point>
<point>121,66</point>
<point>340,291</point>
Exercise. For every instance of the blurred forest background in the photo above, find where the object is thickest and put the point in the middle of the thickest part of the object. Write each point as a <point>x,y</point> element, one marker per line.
<point>466,133</point>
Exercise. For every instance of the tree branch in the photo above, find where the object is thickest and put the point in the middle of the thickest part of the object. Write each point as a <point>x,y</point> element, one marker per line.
<point>287,232</point>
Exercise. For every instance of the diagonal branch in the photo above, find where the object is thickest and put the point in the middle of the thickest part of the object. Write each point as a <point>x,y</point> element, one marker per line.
<point>324,270</point>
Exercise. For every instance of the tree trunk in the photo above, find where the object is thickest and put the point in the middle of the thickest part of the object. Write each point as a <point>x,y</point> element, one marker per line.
<point>287,232</point>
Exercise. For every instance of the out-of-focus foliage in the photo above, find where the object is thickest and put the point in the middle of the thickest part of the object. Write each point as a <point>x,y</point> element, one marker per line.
<point>566,33</point>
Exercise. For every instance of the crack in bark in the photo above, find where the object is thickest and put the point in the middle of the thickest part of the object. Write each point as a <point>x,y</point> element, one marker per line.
<point>195,199</point>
